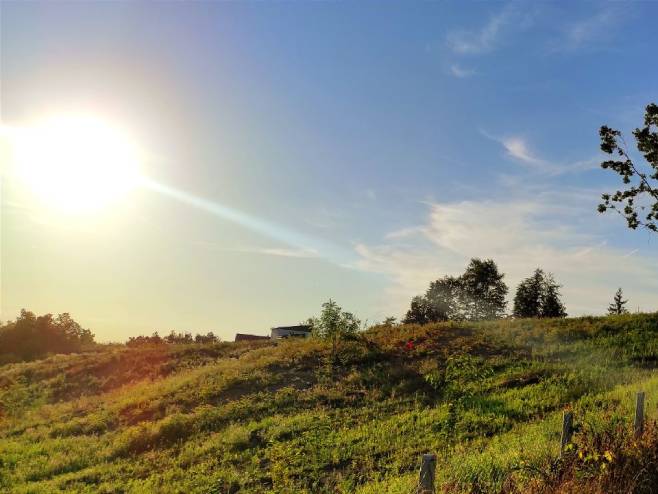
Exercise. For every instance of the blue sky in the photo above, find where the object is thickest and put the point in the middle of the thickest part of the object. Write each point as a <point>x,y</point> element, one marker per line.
<point>312,150</point>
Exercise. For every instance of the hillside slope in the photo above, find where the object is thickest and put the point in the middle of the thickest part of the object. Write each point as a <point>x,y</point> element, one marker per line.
<point>258,417</point>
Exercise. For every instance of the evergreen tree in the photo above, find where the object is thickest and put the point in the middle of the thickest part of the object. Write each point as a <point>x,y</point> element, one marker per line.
<point>538,296</point>
<point>551,305</point>
<point>528,298</point>
<point>617,305</point>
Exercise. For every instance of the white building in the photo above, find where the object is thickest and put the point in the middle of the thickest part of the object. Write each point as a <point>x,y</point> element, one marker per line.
<point>301,331</point>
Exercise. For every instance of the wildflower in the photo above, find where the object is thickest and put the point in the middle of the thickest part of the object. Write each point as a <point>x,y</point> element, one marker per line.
<point>609,456</point>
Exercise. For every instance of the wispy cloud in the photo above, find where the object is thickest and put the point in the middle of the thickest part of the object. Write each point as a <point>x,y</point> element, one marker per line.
<point>631,253</point>
<point>280,252</point>
<point>520,234</point>
<point>303,253</point>
<point>479,41</point>
<point>269,251</point>
<point>405,232</point>
<point>461,72</point>
<point>517,148</point>
<point>589,32</point>
<point>486,39</point>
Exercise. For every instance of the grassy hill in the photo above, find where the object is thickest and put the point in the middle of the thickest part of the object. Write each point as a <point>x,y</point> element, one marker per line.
<point>256,417</point>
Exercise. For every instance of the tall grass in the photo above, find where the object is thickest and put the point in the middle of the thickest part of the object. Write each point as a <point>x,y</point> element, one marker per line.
<point>486,397</point>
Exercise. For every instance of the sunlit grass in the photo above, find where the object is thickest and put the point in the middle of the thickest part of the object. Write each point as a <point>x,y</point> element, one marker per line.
<point>262,418</point>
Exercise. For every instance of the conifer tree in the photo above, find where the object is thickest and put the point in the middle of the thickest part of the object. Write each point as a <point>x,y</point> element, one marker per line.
<point>617,305</point>
<point>538,296</point>
<point>528,298</point>
<point>552,306</point>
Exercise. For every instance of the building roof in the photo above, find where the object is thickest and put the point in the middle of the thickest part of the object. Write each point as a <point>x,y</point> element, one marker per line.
<point>244,337</point>
<point>301,327</point>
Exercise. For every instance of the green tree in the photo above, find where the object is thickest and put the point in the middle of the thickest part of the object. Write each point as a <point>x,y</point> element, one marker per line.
<point>483,291</point>
<point>30,336</point>
<point>552,305</point>
<point>637,201</point>
<point>334,325</point>
<point>444,299</point>
<point>538,296</point>
<point>618,302</point>
<point>476,295</point>
<point>529,294</point>
<point>419,312</point>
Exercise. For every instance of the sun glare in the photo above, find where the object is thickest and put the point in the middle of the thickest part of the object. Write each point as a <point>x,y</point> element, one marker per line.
<point>75,164</point>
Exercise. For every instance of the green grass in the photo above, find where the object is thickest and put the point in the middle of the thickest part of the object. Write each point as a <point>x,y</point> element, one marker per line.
<point>256,417</point>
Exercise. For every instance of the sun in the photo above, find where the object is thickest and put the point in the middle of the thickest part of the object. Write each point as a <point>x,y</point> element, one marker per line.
<point>77,164</point>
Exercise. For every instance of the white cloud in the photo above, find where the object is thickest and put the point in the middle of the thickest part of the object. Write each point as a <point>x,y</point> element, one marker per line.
<point>269,251</point>
<point>590,31</point>
<point>282,252</point>
<point>549,230</point>
<point>480,41</point>
<point>517,148</point>
<point>514,15</point>
<point>405,232</point>
<point>461,72</point>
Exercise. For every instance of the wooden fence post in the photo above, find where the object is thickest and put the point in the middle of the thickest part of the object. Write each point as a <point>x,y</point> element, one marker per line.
<point>567,430</point>
<point>427,472</point>
<point>638,426</point>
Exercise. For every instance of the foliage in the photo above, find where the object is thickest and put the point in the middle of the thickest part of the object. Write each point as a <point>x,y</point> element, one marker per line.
<point>420,312</point>
<point>483,291</point>
<point>618,302</point>
<point>30,336</point>
<point>443,297</point>
<point>334,324</point>
<point>538,296</point>
<point>172,338</point>
<point>638,201</point>
<point>529,295</point>
<point>552,305</point>
<point>461,377</point>
<point>257,417</point>
<point>390,321</point>
<point>478,294</point>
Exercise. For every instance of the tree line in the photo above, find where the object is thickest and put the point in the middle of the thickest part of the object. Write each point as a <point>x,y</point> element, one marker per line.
<point>29,337</point>
<point>172,338</point>
<point>480,294</point>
